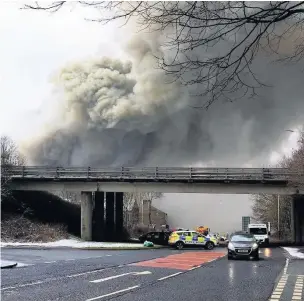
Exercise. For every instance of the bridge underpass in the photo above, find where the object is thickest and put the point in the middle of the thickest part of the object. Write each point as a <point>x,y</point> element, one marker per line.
<point>106,186</point>
<point>101,216</point>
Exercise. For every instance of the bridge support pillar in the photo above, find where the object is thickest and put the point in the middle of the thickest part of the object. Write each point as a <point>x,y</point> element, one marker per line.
<point>119,215</point>
<point>110,208</point>
<point>98,216</point>
<point>299,219</point>
<point>292,221</point>
<point>86,215</point>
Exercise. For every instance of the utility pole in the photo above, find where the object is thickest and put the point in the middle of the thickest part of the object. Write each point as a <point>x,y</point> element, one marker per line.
<point>279,215</point>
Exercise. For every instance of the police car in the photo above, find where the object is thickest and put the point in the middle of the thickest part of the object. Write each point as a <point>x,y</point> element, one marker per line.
<point>181,239</point>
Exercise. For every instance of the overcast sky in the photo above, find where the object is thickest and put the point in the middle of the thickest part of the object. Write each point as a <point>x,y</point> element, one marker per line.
<point>34,45</point>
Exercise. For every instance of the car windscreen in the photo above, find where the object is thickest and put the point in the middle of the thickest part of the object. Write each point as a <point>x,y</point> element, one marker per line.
<point>258,231</point>
<point>242,238</point>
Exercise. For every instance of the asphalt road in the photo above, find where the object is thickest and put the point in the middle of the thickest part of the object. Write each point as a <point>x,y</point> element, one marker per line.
<point>148,275</point>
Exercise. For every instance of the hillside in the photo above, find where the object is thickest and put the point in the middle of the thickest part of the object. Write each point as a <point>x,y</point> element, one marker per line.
<point>38,217</point>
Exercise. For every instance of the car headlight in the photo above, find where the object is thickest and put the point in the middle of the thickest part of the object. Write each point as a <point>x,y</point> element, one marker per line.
<point>254,246</point>
<point>230,246</point>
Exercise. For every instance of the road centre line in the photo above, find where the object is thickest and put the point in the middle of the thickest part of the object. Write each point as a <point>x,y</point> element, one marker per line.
<point>22,285</point>
<point>92,272</point>
<point>55,279</point>
<point>113,293</point>
<point>66,276</point>
<point>172,275</point>
<point>121,275</point>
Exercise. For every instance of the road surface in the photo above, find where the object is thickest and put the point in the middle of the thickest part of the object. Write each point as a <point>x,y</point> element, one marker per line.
<point>148,275</point>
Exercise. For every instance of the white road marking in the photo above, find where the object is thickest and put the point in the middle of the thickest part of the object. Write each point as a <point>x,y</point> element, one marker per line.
<point>90,272</point>
<point>8,288</point>
<point>22,285</point>
<point>121,275</point>
<point>194,268</point>
<point>172,275</point>
<point>286,266</point>
<point>21,264</point>
<point>114,293</point>
<point>54,279</point>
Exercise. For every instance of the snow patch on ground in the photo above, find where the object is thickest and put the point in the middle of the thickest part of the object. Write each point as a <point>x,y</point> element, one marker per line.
<point>21,264</point>
<point>73,243</point>
<point>294,252</point>
<point>5,263</point>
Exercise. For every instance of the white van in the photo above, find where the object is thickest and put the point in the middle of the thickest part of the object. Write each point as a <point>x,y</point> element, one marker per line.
<point>260,231</point>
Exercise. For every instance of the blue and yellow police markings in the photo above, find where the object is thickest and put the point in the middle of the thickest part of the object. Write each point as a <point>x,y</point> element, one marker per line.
<point>192,239</point>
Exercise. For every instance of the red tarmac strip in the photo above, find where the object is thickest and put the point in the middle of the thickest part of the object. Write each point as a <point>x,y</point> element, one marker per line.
<point>183,261</point>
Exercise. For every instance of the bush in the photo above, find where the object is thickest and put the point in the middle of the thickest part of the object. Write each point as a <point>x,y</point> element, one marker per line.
<point>16,227</point>
<point>45,207</point>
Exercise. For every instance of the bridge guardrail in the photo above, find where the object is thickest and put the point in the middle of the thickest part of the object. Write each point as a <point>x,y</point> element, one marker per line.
<point>149,173</point>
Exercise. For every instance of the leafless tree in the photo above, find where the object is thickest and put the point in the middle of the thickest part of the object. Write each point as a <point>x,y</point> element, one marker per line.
<point>69,196</point>
<point>265,209</point>
<point>295,164</point>
<point>150,196</point>
<point>138,197</point>
<point>10,156</point>
<point>230,34</point>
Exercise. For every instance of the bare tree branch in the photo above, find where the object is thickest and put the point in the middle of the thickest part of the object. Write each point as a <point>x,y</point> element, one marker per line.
<point>230,34</point>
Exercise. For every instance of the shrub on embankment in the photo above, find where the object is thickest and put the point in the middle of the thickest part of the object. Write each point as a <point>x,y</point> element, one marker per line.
<point>18,228</point>
<point>41,213</point>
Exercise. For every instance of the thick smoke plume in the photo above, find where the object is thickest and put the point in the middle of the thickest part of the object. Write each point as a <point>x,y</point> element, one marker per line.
<point>117,113</point>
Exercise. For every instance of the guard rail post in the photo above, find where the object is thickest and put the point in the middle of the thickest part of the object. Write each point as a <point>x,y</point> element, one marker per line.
<point>88,172</point>
<point>23,171</point>
<point>122,172</point>
<point>57,172</point>
<point>190,173</point>
<point>156,172</point>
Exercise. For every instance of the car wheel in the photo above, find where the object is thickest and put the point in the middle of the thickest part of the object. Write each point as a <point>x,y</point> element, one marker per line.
<point>179,245</point>
<point>209,245</point>
<point>256,257</point>
<point>230,257</point>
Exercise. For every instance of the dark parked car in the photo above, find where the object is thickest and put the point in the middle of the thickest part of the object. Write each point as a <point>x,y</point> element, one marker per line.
<point>243,245</point>
<point>158,238</point>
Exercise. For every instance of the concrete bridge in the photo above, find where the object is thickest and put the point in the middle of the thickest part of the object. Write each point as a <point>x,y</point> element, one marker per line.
<point>101,186</point>
<point>160,179</point>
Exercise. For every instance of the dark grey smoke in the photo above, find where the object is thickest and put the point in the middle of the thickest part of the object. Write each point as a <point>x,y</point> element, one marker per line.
<point>124,113</point>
